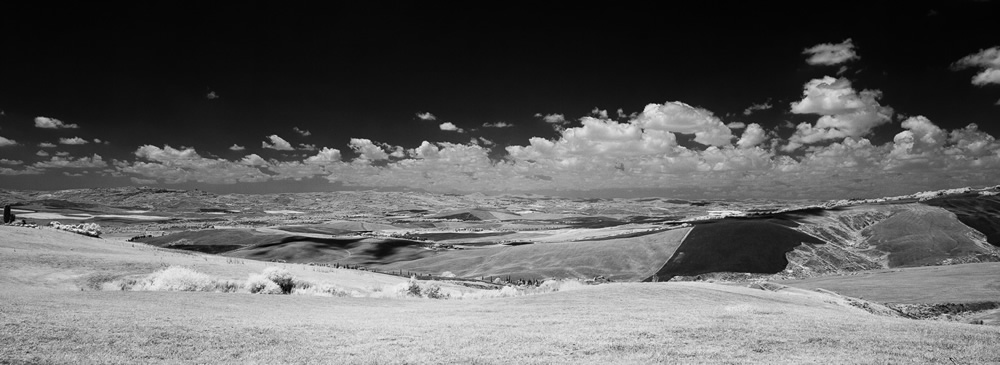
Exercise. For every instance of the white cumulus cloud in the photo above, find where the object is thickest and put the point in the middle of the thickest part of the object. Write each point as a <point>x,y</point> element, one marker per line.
<point>843,112</point>
<point>277,143</point>
<point>52,123</point>
<point>831,53</point>
<point>4,142</point>
<point>72,141</point>
<point>367,150</point>
<point>448,126</point>
<point>185,165</point>
<point>94,161</point>
<point>752,136</point>
<point>426,116</point>
<point>236,147</point>
<point>987,61</point>
<point>253,160</point>
<point>679,117</point>
<point>325,155</point>
<point>552,118</point>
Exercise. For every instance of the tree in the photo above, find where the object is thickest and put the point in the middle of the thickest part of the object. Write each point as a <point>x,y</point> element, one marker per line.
<point>8,217</point>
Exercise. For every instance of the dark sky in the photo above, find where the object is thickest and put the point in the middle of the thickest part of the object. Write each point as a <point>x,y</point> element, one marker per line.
<point>141,75</point>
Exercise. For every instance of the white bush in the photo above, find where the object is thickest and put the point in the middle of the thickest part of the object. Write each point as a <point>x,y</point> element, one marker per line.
<point>324,290</point>
<point>176,278</point>
<point>508,291</point>
<point>569,284</point>
<point>260,284</point>
<point>281,277</point>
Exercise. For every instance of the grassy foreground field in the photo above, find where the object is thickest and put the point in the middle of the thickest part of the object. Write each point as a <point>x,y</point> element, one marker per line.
<point>45,317</point>
<point>617,323</point>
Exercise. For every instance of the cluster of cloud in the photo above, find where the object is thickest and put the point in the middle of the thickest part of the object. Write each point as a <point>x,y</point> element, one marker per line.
<point>445,126</point>
<point>602,153</point>
<point>172,165</point>
<point>843,112</point>
<point>671,145</point>
<point>606,154</point>
<point>987,61</point>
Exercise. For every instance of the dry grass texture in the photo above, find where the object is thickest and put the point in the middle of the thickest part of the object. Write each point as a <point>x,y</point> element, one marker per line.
<point>46,318</point>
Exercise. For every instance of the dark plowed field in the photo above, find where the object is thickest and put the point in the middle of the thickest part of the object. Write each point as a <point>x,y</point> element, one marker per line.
<point>982,213</point>
<point>734,245</point>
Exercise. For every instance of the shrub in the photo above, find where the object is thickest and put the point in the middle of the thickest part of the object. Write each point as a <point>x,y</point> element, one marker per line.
<point>281,277</point>
<point>433,291</point>
<point>412,288</point>
<point>226,286</point>
<point>261,284</point>
<point>176,278</point>
<point>307,288</point>
<point>508,291</point>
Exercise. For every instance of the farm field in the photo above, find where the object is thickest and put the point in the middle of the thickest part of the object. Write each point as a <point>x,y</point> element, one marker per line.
<point>834,286</point>
<point>963,283</point>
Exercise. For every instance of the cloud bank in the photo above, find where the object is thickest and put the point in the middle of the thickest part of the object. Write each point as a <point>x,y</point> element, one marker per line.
<point>640,153</point>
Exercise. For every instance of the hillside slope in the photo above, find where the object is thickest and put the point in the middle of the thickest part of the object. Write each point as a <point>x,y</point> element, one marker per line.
<point>622,259</point>
<point>604,324</point>
<point>879,236</point>
<point>53,259</point>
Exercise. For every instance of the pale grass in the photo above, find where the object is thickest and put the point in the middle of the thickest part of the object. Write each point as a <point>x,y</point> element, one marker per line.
<point>606,324</point>
<point>45,318</point>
